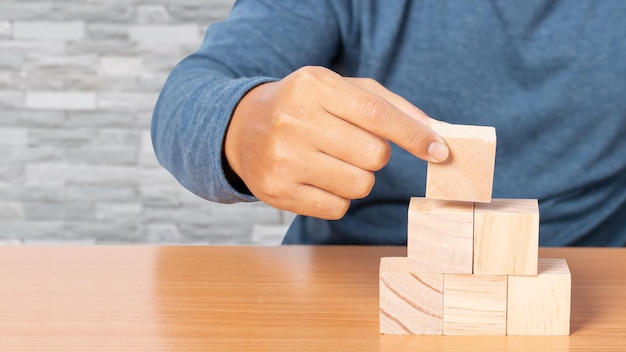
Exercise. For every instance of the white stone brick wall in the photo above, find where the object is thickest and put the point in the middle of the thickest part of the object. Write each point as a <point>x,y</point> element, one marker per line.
<point>65,31</point>
<point>78,82</point>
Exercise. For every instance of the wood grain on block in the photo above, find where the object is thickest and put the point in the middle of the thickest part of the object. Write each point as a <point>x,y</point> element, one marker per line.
<point>474,304</point>
<point>440,236</point>
<point>410,303</point>
<point>506,237</point>
<point>467,174</point>
<point>540,305</point>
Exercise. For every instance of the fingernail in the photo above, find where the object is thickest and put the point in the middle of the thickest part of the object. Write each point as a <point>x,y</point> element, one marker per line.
<point>438,151</point>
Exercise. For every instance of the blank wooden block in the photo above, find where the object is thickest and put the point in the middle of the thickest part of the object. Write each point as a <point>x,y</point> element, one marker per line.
<point>540,305</point>
<point>467,174</point>
<point>506,237</point>
<point>474,304</point>
<point>440,236</point>
<point>409,303</point>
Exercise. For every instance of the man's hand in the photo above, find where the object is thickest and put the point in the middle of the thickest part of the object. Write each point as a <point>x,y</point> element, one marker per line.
<point>311,142</point>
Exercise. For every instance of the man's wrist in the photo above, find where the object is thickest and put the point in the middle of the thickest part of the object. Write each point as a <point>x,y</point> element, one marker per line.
<point>231,176</point>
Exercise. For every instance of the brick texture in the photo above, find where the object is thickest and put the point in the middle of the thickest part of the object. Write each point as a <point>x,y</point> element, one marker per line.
<point>78,82</point>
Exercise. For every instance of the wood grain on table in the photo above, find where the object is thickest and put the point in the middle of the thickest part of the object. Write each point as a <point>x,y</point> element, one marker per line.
<point>290,298</point>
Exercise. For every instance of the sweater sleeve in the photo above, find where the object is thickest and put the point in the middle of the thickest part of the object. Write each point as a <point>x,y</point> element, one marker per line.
<point>260,41</point>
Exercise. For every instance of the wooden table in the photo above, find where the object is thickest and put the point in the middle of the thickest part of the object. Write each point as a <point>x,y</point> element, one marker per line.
<point>255,298</point>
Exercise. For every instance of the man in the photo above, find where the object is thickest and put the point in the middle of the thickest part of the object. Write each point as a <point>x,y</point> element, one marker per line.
<point>311,106</point>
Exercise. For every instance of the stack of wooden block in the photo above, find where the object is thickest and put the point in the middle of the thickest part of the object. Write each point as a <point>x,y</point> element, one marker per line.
<point>472,266</point>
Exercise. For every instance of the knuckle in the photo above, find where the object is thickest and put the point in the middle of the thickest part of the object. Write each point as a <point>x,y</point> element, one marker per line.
<point>308,74</point>
<point>301,80</point>
<point>363,185</point>
<point>334,211</point>
<point>375,111</point>
<point>378,154</point>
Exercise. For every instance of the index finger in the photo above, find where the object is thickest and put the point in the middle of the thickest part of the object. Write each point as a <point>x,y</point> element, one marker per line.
<point>377,115</point>
<point>399,102</point>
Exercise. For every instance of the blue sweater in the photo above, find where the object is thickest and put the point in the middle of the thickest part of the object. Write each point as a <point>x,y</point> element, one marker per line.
<point>549,75</point>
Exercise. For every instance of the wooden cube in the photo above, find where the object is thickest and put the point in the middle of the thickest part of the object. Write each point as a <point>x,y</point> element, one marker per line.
<point>467,174</point>
<point>410,303</point>
<point>540,305</point>
<point>474,304</point>
<point>440,236</point>
<point>506,237</point>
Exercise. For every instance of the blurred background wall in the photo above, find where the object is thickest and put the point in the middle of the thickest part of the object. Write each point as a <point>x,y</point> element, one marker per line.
<point>78,82</point>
